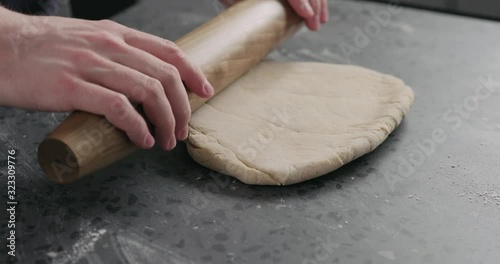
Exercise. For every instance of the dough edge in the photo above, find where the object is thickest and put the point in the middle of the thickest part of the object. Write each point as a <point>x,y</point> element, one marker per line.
<point>208,152</point>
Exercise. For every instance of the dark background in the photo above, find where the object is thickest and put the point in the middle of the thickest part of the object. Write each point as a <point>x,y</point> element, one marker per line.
<point>478,8</point>
<point>98,9</point>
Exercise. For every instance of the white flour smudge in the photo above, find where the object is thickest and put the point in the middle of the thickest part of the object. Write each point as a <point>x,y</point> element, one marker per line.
<point>80,249</point>
<point>310,54</point>
<point>387,254</point>
<point>325,56</point>
<point>333,57</point>
<point>406,28</point>
<point>138,250</point>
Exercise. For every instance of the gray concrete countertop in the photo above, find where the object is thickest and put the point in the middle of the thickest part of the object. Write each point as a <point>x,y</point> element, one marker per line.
<point>429,194</point>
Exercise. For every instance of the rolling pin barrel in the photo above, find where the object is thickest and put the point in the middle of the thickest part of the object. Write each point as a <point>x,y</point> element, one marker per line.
<point>225,48</point>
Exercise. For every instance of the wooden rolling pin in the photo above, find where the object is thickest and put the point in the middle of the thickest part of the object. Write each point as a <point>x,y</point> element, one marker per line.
<point>225,48</point>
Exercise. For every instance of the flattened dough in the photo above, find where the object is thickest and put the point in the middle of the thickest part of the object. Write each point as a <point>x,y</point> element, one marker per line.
<point>287,122</point>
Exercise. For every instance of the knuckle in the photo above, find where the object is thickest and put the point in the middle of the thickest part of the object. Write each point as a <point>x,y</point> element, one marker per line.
<point>153,87</point>
<point>170,72</point>
<point>185,114</point>
<point>68,83</point>
<point>168,45</point>
<point>72,88</point>
<point>119,104</point>
<point>177,54</point>
<point>84,57</point>
<point>173,50</point>
<point>169,122</point>
<point>107,39</point>
<point>107,23</point>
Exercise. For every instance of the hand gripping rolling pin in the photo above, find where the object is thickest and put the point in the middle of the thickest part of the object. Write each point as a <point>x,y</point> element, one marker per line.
<point>225,48</point>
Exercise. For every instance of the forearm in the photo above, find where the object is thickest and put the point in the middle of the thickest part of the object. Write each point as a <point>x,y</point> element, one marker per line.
<point>8,17</point>
<point>10,28</point>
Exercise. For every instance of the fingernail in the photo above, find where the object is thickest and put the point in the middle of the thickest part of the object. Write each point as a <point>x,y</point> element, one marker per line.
<point>183,134</point>
<point>172,143</point>
<point>307,6</point>
<point>325,17</point>
<point>149,141</point>
<point>208,89</point>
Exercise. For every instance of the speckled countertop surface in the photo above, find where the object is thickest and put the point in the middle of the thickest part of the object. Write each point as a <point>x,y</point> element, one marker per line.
<point>429,194</point>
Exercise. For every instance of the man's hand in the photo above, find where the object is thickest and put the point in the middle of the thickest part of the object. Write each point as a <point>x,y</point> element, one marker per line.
<point>314,12</point>
<point>63,64</point>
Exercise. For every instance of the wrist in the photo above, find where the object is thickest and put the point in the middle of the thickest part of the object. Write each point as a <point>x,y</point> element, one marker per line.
<point>10,19</point>
<point>10,27</point>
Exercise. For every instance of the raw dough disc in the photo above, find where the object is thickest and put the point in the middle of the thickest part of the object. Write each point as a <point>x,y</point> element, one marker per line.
<point>287,122</point>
